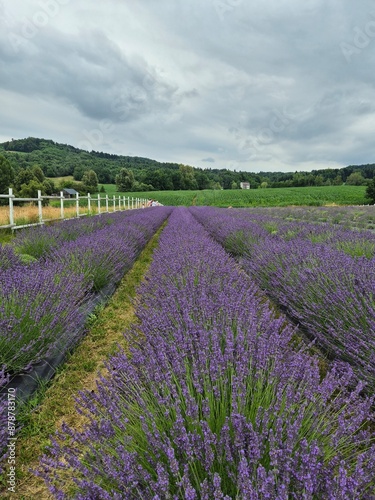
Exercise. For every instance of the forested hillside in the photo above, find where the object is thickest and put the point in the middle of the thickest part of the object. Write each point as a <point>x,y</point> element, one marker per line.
<point>57,160</point>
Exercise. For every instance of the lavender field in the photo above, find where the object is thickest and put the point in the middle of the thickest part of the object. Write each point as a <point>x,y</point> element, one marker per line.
<point>48,277</point>
<point>215,399</point>
<point>321,274</point>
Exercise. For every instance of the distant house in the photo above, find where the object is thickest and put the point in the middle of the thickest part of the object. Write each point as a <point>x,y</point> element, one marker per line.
<point>69,193</point>
<point>245,185</point>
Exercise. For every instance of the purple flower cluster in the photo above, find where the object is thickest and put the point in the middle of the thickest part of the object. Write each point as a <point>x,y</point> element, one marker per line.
<point>312,271</point>
<point>40,302</point>
<point>39,306</point>
<point>213,402</point>
<point>8,258</point>
<point>39,241</point>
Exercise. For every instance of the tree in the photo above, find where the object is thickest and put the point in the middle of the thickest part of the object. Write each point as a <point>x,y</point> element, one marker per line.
<point>49,187</point>
<point>6,175</point>
<point>202,180</point>
<point>124,180</point>
<point>24,176</point>
<point>187,177</point>
<point>78,172</point>
<point>370,191</point>
<point>337,181</point>
<point>90,181</point>
<point>355,179</point>
<point>30,190</point>
<point>38,173</point>
<point>319,181</point>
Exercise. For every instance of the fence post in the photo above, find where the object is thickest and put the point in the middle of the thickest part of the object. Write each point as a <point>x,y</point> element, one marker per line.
<point>132,202</point>
<point>98,203</point>
<point>77,204</point>
<point>124,201</point>
<point>61,204</point>
<point>11,213</point>
<point>106,203</point>
<point>40,209</point>
<point>114,203</point>
<point>89,203</point>
<point>128,202</point>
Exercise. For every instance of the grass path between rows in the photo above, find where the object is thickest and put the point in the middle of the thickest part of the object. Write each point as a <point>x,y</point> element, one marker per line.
<point>56,404</point>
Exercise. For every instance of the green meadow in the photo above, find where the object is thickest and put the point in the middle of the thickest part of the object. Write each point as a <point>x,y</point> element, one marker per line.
<point>282,197</point>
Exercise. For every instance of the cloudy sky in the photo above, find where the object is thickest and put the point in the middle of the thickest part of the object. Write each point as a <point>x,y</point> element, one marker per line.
<point>272,85</point>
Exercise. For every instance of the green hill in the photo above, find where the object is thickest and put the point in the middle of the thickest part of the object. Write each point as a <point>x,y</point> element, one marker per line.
<point>58,160</point>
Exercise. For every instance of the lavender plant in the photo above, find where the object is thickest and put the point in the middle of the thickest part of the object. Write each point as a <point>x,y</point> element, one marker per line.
<point>325,289</point>
<point>37,311</point>
<point>101,259</point>
<point>38,242</point>
<point>213,402</point>
<point>8,258</point>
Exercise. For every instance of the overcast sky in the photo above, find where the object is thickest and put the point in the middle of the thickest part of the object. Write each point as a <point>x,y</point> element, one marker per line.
<point>272,85</point>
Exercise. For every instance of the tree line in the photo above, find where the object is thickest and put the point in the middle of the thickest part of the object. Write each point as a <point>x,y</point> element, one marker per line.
<point>144,174</point>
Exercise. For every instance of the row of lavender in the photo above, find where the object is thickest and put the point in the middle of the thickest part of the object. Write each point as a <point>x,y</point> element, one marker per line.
<point>324,277</point>
<point>50,273</point>
<point>361,217</point>
<point>213,402</point>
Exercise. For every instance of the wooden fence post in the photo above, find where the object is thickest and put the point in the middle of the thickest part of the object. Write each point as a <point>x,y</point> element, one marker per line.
<point>106,203</point>
<point>77,204</point>
<point>11,212</point>
<point>61,204</point>
<point>89,203</point>
<point>40,209</point>
<point>98,203</point>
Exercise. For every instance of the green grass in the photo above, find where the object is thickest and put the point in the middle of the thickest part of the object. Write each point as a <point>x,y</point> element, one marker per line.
<point>310,196</point>
<point>6,236</point>
<point>66,178</point>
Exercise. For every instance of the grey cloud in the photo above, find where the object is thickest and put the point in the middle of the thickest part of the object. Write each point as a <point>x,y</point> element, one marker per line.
<point>91,73</point>
<point>254,84</point>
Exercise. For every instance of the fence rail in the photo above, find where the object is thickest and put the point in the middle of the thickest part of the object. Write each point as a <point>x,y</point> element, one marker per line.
<point>94,204</point>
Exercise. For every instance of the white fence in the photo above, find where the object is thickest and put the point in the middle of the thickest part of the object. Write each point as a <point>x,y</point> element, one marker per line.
<point>95,205</point>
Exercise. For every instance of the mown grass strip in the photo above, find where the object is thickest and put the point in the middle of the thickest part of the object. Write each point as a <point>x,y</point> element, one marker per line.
<point>6,236</point>
<point>55,403</point>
